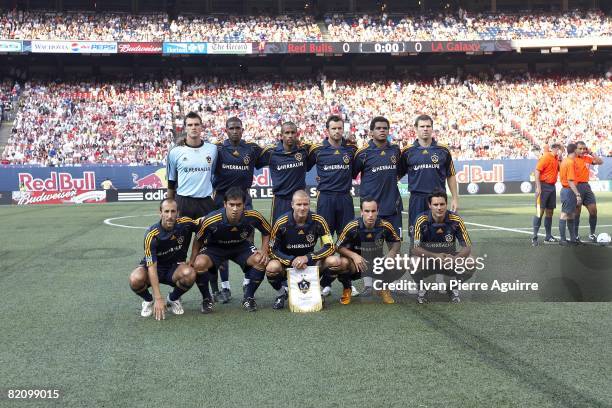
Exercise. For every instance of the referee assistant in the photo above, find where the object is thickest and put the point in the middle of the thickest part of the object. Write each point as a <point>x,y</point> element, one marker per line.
<point>546,173</point>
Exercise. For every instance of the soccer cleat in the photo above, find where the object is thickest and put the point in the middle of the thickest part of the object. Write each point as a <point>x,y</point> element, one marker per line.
<point>578,239</point>
<point>593,237</point>
<point>279,303</point>
<point>454,296</point>
<point>346,296</point>
<point>249,305</point>
<point>225,296</point>
<point>421,299</point>
<point>326,291</point>
<point>175,306</point>
<point>366,292</point>
<point>147,309</point>
<point>534,242</point>
<point>216,295</point>
<point>207,306</point>
<point>354,291</point>
<point>386,297</point>
<point>550,240</point>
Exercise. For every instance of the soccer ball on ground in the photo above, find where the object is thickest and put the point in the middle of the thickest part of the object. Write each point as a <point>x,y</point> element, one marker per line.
<point>604,239</point>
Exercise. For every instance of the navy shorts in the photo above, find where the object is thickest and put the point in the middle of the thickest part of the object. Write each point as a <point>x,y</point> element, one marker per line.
<point>396,221</point>
<point>280,205</point>
<point>548,196</point>
<point>239,253</point>
<point>164,272</point>
<point>568,200</point>
<point>337,209</point>
<point>586,193</point>
<point>193,207</point>
<point>417,204</point>
<point>220,195</point>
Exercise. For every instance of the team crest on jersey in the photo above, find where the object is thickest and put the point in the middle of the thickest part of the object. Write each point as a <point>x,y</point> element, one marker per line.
<point>244,234</point>
<point>448,237</point>
<point>246,159</point>
<point>310,238</point>
<point>304,285</point>
<point>298,156</point>
<point>180,240</point>
<point>393,159</point>
<point>434,158</point>
<point>346,159</point>
<point>209,159</point>
<point>379,242</point>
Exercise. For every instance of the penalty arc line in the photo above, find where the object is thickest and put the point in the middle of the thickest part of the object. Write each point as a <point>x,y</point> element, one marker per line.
<point>109,221</point>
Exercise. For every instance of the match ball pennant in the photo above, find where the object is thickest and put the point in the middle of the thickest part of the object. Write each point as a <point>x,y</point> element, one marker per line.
<point>304,290</point>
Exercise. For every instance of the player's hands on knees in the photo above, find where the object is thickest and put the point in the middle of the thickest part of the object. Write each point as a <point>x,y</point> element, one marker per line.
<point>159,307</point>
<point>360,263</point>
<point>300,262</point>
<point>261,257</point>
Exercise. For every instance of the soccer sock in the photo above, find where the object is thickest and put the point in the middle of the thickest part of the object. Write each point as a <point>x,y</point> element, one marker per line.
<point>224,273</point>
<point>143,293</point>
<point>592,223</point>
<point>572,230</point>
<point>245,281</point>
<point>345,279</point>
<point>562,224</point>
<point>276,282</point>
<point>537,221</point>
<point>326,277</point>
<point>178,291</point>
<point>202,281</point>
<point>548,226</point>
<point>576,225</point>
<point>213,279</point>
<point>225,285</point>
<point>255,277</point>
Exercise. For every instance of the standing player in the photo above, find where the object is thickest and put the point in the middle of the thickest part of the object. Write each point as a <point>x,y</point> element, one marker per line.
<point>190,169</point>
<point>235,167</point>
<point>288,162</point>
<point>429,166</point>
<point>224,235</point>
<point>584,158</point>
<point>165,249</point>
<point>293,241</point>
<point>546,173</point>
<point>334,161</point>
<point>570,196</point>
<point>360,242</point>
<point>378,164</point>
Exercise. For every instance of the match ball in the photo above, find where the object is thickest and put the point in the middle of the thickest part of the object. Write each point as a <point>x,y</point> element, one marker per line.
<point>604,239</point>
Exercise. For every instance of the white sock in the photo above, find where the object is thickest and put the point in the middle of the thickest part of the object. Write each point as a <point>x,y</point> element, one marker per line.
<point>225,285</point>
<point>368,281</point>
<point>245,281</point>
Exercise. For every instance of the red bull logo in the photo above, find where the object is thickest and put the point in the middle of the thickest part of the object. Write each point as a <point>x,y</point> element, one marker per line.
<point>475,174</point>
<point>263,179</point>
<point>154,180</point>
<point>58,182</point>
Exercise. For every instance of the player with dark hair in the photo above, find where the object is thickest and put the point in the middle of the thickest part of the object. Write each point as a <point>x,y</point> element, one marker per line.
<point>584,159</point>
<point>288,162</point>
<point>235,167</point>
<point>436,233</point>
<point>224,236</point>
<point>293,240</point>
<point>570,196</point>
<point>546,174</point>
<point>378,164</point>
<point>360,242</point>
<point>190,171</point>
<point>165,247</point>
<point>429,166</point>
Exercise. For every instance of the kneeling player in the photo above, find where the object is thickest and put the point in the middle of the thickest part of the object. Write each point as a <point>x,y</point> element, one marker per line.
<point>165,248</point>
<point>435,235</point>
<point>359,243</point>
<point>294,237</point>
<point>224,236</point>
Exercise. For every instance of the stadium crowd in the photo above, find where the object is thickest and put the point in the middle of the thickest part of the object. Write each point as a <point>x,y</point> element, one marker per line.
<point>131,122</point>
<point>47,25</point>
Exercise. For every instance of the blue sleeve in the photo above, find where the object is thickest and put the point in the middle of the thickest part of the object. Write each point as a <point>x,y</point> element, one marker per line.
<point>264,158</point>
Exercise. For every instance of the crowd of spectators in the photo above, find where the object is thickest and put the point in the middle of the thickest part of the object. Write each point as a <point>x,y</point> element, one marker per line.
<point>135,122</point>
<point>9,92</point>
<point>48,25</point>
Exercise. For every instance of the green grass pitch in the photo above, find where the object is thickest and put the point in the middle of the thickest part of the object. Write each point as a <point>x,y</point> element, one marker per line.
<point>70,322</point>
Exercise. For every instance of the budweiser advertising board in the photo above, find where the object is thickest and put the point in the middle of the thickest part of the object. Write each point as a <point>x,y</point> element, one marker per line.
<point>58,197</point>
<point>139,48</point>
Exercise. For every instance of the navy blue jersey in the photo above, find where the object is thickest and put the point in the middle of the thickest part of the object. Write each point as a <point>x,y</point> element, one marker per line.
<point>287,169</point>
<point>334,166</point>
<point>427,167</point>
<point>216,230</point>
<point>290,240</point>
<point>167,247</point>
<point>235,165</point>
<point>440,237</point>
<point>379,175</point>
<point>368,242</point>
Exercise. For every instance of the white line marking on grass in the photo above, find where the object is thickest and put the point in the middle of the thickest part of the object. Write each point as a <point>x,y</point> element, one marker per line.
<point>109,221</point>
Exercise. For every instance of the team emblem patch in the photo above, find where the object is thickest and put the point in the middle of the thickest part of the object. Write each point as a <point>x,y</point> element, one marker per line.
<point>448,237</point>
<point>434,158</point>
<point>346,159</point>
<point>180,240</point>
<point>209,159</point>
<point>393,159</point>
<point>304,285</point>
<point>246,159</point>
<point>298,156</point>
<point>379,242</point>
<point>310,238</point>
<point>244,234</point>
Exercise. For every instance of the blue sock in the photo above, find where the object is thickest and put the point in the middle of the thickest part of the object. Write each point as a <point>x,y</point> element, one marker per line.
<point>143,293</point>
<point>276,282</point>
<point>345,279</point>
<point>562,224</point>
<point>255,277</point>
<point>202,280</point>
<point>178,291</point>
<point>537,221</point>
<point>592,223</point>
<point>548,226</point>
<point>213,279</point>
<point>224,271</point>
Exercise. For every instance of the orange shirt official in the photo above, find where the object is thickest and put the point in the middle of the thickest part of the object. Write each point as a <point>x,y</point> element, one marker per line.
<point>567,171</point>
<point>582,170</point>
<point>548,166</point>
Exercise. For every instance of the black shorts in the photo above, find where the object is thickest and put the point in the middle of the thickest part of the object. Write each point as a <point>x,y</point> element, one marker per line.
<point>586,193</point>
<point>568,200</point>
<point>164,272</point>
<point>239,253</point>
<point>280,206</point>
<point>193,207</point>
<point>548,196</point>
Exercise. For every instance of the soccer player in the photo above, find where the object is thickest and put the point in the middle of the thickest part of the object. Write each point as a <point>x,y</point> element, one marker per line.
<point>436,233</point>
<point>235,167</point>
<point>570,196</point>
<point>293,240</point>
<point>288,162</point>
<point>378,164</point>
<point>334,161</point>
<point>189,171</point>
<point>165,248</point>
<point>360,242</point>
<point>546,174</point>
<point>583,159</point>
<point>224,235</point>
<point>429,166</point>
